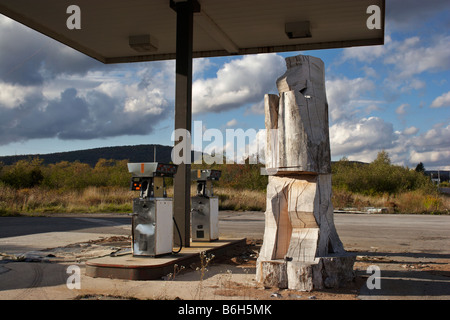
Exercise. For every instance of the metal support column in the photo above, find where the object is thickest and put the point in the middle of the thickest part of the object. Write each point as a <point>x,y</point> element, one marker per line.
<point>183,111</point>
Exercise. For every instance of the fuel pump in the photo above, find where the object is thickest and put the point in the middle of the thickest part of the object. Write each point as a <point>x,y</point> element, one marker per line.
<point>205,206</point>
<point>152,218</point>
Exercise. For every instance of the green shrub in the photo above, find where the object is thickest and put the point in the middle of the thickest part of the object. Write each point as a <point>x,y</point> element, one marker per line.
<point>22,174</point>
<point>378,177</point>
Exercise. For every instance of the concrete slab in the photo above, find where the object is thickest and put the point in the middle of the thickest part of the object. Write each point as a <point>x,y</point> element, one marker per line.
<point>131,267</point>
<point>42,241</point>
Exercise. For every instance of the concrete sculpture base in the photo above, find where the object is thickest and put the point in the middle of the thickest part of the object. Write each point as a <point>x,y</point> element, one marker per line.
<point>324,272</point>
<point>301,248</point>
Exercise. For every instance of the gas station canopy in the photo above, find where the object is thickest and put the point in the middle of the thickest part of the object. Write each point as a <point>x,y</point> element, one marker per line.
<point>119,31</point>
<point>115,31</point>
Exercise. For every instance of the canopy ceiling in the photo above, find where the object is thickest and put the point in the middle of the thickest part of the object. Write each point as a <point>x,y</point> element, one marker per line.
<point>222,27</point>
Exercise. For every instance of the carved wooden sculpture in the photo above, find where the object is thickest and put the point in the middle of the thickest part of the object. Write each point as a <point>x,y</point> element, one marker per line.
<point>301,248</point>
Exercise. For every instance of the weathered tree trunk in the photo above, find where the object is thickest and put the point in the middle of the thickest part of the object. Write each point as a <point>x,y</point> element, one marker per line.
<point>301,248</point>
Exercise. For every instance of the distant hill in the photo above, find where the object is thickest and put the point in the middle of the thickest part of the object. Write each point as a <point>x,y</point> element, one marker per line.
<point>138,153</point>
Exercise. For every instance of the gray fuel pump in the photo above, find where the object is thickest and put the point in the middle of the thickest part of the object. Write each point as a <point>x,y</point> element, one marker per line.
<point>205,206</point>
<point>152,218</point>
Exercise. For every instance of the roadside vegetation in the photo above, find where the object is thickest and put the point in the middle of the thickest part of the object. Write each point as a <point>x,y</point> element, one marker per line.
<point>32,188</point>
<point>381,184</point>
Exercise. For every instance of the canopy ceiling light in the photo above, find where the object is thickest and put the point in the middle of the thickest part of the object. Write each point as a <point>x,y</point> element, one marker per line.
<point>298,30</point>
<point>143,43</point>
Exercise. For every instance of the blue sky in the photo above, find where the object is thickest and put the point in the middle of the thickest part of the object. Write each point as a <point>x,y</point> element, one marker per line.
<point>394,97</point>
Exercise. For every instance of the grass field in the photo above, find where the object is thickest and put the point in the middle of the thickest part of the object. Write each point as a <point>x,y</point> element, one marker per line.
<point>39,200</point>
<point>29,187</point>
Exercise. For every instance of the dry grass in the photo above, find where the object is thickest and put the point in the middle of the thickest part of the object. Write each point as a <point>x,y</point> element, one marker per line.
<point>39,200</point>
<point>237,200</point>
<point>241,200</point>
<point>412,202</point>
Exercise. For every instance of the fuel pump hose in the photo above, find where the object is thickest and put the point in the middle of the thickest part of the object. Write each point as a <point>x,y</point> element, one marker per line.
<point>179,235</point>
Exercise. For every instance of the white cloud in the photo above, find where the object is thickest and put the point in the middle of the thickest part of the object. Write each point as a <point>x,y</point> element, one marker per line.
<point>437,137</point>
<point>237,83</point>
<point>366,53</point>
<point>430,157</point>
<point>145,101</point>
<point>432,147</point>
<point>405,59</point>
<point>257,108</point>
<point>417,84</point>
<point>402,109</point>
<point>372,107</point>
<point>111,109</point>
<point>147,90</point>
<point>362,141</point>
<point>13,95</point>
<point>410,57</point>
<point>345,96</point>
<point>365,135</point>
<point>410,131</point>
<point>232,123</point>
<point>441,101</point>
<point>200,65</point>
<point>49,90</point>
<point>370,72</point>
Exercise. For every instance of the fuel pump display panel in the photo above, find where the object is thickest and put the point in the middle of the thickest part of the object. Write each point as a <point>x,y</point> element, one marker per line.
<point>152,169</point>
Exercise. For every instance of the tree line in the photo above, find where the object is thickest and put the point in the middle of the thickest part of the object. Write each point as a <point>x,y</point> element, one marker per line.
<point>378,177</point>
